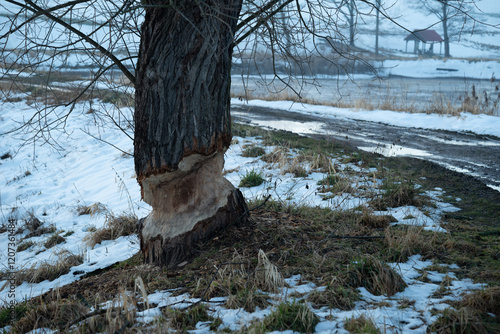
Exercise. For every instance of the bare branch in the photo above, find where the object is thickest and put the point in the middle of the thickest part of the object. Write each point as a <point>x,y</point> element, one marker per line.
<point>39,11</point>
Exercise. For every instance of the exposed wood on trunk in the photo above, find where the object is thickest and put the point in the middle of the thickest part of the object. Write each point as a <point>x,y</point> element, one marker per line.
<point>172,251</point>
<point>190,205</point>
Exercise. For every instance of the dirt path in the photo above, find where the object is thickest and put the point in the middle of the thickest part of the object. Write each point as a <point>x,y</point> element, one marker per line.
<point>468,153</point>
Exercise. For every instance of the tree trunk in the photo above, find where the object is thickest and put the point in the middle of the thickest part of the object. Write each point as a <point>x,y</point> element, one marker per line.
<point>377,4</point>
<point>445,28</point>
<point>183,126</point>
<point>352,13</point>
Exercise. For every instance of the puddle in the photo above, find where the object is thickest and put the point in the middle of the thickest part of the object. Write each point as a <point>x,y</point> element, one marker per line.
<point>395,151</point>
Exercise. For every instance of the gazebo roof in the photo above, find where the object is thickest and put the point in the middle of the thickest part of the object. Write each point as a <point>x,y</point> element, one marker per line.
<point>424,36</point>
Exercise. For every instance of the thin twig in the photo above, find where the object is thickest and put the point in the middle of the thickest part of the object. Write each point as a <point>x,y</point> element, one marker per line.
<point>86,316</point>
<point>367,237</point>
<point>261,204</point>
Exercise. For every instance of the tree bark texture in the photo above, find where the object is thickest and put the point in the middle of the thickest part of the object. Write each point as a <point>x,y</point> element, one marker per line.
<point>444,19</point>
<point>352,13</point>
<point>182,125</point>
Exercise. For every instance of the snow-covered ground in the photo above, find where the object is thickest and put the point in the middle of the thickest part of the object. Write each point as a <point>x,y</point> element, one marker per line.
<point>474,36</point>
<point>390,318</point>
<point>480,124</point>
<point>51,182</point>
<point>441,68</point>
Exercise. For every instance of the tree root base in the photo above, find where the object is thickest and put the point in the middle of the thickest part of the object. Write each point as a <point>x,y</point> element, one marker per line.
<point>172,251</point>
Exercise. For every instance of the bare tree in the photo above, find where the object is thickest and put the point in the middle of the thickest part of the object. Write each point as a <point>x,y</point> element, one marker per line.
<point>377,24</point>
<point>349,12</point>
<point>177,57</point>
<point>448,12</point>
<point>183,126</point>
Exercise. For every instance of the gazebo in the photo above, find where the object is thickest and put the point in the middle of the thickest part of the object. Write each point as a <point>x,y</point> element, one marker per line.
<point>424,36</point>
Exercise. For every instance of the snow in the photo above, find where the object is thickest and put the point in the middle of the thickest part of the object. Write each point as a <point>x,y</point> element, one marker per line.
<point>466,122</point>
<point>51,180</point>
<point>83,170</point>
<point>440,68</point>
<point>391,317</point>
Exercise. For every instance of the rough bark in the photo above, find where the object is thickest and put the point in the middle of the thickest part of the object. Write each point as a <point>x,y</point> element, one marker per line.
<point>182,125</point>
<point>377,24</point>
<point>352,13</point>
<point>444,19</point>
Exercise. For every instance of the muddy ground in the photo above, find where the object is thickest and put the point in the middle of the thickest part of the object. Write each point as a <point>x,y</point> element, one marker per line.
<point>467,153</point>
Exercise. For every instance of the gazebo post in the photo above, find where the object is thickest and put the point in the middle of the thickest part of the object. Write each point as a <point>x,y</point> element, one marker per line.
<point>424,36</point>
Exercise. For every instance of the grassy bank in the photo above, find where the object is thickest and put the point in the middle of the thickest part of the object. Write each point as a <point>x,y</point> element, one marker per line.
<point>341,252</point>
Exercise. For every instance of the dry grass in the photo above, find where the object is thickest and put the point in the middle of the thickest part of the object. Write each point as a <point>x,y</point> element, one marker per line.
<point>336,184</point>
<point>378,278</point>
<point>267,275</point>
<point>396,192</point>
<point>335,296</point>
<point>438,103</point>
<point>296,168</point>
<point>293,316</point>
<point>361,325</point>
<point>55,314</point>
<point>43,89</point>
<point>92,210</point>
<point>253,151</point>
<point>486,300</point>
<point>283,95</point>
<point>46,270</point>
<point>242,282</point>
<point>117,316</point>
<point>322,163</point>
<point>403,241</point>
<point>53,240</point>
<point>374,221</point>
<point>184,320</point>
<point>32,223</point>
<point>248,299</point>
<point>278,158</point>
<point>464,320</point>
<point>25,245</point>
<point>114,227</point>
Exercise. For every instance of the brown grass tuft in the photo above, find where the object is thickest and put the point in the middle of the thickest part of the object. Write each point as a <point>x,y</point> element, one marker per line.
<point>45,270</point>
<point>396,194</point>
<point>404,241</point>
<point>377,277</point>
<point>184,320</point>
<point>463,320</point>
<point>53,240</point>
<point>296,168</point>
<point>267,275</point>
<point>55,314</point>
<point>486,300</point>
<point>335,296</point>
<point>114,227</point>
<point>94,209</point>
<point>322,162</point>
<point>253,151</point>
<point>372,221</point>
<point>361,324</point>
